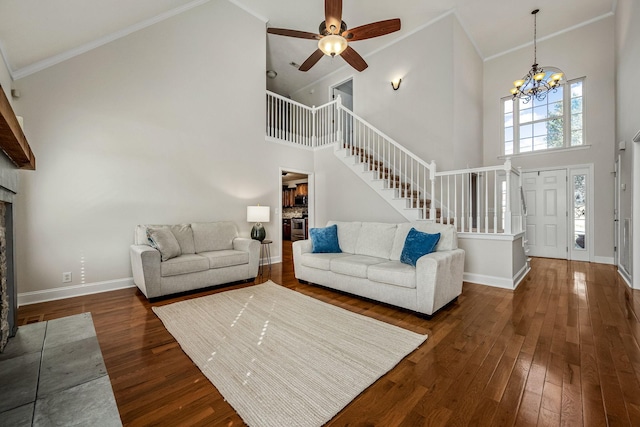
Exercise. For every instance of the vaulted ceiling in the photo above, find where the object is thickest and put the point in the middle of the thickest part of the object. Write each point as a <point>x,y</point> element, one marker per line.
<point>37,33</point>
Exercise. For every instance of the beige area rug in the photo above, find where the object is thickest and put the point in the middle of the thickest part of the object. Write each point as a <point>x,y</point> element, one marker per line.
<point>281,358</point>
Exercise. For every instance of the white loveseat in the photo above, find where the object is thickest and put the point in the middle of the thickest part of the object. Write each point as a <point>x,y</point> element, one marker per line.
<point>369,265</point>
<point>191,256</point>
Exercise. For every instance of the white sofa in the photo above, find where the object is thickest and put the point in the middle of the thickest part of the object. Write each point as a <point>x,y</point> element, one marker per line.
<point>370,266</point>
<point>191,256</point>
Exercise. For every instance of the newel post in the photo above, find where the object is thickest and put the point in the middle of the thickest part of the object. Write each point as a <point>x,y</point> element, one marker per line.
<point>507,214</point>
<point>339,121</point>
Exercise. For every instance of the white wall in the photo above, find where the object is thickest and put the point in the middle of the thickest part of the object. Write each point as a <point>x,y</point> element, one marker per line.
<point>467,102</point>
<point>163,126</point>
<point>628,117</point>
<point>429,115</point>
<point>343,196</point>
<point>426,115</point>
<point>586,51</point>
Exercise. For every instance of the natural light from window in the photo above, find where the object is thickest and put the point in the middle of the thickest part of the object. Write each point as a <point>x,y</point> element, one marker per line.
<point>542,124</point>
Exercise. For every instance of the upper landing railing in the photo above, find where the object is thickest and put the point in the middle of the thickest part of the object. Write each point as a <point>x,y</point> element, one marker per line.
<point>481,200</point>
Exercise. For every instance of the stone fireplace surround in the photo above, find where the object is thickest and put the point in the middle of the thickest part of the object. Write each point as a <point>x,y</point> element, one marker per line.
<point>8,287</point>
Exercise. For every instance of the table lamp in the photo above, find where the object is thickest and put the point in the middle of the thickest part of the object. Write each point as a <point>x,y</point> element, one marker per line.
<point>258,214</point>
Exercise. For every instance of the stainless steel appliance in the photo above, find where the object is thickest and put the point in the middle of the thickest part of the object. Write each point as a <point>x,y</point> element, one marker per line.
<point>298,229</point>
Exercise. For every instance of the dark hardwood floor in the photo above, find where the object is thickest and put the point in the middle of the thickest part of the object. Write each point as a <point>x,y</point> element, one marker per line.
<point>560,350</point>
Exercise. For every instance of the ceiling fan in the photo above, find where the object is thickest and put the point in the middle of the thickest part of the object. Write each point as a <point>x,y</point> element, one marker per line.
<point>334,37</point>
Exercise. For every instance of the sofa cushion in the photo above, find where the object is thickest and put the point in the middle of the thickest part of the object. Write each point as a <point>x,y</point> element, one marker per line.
<point>376,239</point>
<point>448,237</point>
<point>320,261</point>
<point>184,264</point>
<point>324,240</point>
<point>393,273</point>
<point>141,236</point>
<point>347,235</point>
<point>184,236</point>
<point>354,265</point>
<point>213,236</point>
<point>226,258</point>
<point>163,240</point>
<point>417,245</point>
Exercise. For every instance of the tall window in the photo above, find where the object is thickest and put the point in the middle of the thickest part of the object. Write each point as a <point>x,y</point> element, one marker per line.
<point>554,122</point>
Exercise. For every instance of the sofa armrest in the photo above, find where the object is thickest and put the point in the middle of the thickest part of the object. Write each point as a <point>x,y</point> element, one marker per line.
<point>253,247</point>
<point>145,264</point>
<point>300,247</point>
<point>439,279</point>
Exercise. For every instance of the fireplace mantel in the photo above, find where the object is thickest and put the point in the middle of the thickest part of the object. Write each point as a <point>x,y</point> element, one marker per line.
<point>12,139</point>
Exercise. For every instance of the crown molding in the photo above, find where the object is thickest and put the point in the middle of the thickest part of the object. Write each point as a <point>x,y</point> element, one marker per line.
<point>56,59</point>
<point>249,11</point>
<point>550,36</point>
<point>466,31</point>
<point>6,61</point>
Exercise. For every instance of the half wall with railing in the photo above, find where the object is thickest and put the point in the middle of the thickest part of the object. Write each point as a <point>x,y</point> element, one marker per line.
<point>481,200</point>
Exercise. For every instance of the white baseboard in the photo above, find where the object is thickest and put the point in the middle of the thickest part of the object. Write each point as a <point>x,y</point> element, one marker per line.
<point>498,282</point>
<point>274,260</point>
<point>521,275</point>
<point>34,297</point>
<point>626,279</point>
<point>603,260</point>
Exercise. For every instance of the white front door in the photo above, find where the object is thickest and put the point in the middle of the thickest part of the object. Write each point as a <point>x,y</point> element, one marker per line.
<point>546,198</point>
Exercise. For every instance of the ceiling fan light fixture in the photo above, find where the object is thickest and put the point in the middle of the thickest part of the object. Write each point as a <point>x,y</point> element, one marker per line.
<point>332,45</point>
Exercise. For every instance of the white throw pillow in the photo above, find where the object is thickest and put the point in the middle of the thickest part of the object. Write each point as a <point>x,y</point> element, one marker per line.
<point>163,240</point>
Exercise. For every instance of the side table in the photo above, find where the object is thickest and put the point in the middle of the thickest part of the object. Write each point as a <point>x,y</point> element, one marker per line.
<point>265,256</point>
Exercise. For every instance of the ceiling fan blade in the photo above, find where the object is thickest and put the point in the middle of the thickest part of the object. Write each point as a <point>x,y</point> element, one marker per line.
<point>333,15</point>
<point>311,61</point>
<point>354,59</point>
<point>294,33</point>
<point>374,29</point>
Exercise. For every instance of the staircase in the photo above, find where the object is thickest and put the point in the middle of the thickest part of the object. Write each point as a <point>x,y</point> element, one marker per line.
<point>409,200</point>
<point>479,200</point>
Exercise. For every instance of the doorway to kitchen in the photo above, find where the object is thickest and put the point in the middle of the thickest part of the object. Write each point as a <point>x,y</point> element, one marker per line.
<point>296,203</point>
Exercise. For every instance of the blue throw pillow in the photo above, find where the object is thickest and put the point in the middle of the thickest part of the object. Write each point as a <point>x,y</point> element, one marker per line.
<point>325,240</point>
<point>418,244</point>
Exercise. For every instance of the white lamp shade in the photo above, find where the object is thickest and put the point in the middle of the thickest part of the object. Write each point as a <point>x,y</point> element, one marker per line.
<point>258,213</point>
<point>332,44</point>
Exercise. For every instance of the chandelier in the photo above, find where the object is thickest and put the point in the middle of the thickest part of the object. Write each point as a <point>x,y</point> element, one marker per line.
<point>538,82</point>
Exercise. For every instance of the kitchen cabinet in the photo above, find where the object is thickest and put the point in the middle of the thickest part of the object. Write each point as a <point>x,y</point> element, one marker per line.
<point>288,197</point>
<point>289,194</point>
<point>286,229</point>
<point>302,190</point>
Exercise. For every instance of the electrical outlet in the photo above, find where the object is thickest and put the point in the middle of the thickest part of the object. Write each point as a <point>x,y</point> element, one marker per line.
<point>66,277</point>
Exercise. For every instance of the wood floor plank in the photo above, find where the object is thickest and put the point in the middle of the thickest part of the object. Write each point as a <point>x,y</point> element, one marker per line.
<point>562,349</point>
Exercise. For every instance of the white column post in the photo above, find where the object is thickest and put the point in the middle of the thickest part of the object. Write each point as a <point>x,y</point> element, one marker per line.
<point>507,214</point>
<point>339,120</point>
<point>432,176</point>
<point>313,126</point>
